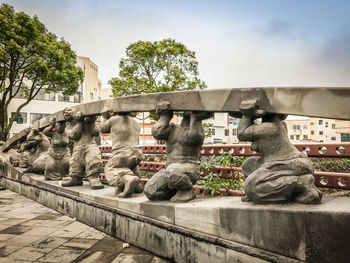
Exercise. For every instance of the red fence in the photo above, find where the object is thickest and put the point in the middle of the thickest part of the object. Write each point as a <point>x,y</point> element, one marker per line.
<point>322,179</point>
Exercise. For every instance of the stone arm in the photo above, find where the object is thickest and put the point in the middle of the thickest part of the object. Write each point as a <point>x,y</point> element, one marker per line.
<point>248,131</point>
<point>90,121</point>
<point>161,129</point>
<point>77,131</point>
<point>196,131</point>
<point>48,131</point>
<point>105,126</point>
<point>94,130</point>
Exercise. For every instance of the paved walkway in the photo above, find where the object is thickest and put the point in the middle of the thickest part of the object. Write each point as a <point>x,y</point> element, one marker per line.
<point>30,232</point>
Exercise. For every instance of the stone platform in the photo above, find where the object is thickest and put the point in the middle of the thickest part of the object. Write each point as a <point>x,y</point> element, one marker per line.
<point>208,229</point>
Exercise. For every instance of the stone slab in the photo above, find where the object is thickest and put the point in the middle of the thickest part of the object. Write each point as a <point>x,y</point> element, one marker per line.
<point>305,101</point>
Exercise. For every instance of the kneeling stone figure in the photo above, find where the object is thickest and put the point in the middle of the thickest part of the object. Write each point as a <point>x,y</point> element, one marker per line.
<point>122,169</point>
<point>183,145</point>
<point>280,173</point>
<point>86,157</point>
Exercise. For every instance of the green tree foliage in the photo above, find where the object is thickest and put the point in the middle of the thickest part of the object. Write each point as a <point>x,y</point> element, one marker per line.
<point>158,66</point>
<point>31,59</point>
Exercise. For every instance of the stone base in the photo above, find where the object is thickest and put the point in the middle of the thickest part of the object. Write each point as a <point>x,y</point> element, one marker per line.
<point>207,229</point>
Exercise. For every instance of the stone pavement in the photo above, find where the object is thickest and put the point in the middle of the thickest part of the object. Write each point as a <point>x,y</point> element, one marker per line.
<point>30,232</point>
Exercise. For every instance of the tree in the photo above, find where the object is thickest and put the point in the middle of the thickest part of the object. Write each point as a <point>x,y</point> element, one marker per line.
<point>156,67</point>
<point>31,59</point>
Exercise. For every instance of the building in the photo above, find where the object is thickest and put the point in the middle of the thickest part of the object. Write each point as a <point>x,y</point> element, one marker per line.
<point>318,130</point>
<point>47,103</point>
<point>222,129</point>
<point>91,86</point>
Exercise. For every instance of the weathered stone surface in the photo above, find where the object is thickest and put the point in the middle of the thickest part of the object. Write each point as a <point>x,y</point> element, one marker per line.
<point>184,143</point>
<point>304,101</point>
<point>86,158</point>
<point>280,173</point>
<point>58,155</point>
<point>122,170</point>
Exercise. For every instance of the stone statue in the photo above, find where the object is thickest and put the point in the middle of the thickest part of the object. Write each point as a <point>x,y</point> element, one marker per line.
<point>33,152</point>
<point>280,173</point>
<point>86,157</point>
<point>57,162</point>
<point>122,169</point>
<point>184,143</point>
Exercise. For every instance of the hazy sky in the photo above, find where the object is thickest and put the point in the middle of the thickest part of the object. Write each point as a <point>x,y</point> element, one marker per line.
<point>238,43</point>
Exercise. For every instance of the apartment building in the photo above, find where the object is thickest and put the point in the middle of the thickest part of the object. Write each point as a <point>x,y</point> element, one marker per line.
<point>318,130</point>
<point>223,129</point>
<point>47,103</point>
<point>90,88</point>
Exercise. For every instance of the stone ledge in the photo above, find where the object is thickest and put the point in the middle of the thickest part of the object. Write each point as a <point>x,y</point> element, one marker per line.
<point>276,233</point>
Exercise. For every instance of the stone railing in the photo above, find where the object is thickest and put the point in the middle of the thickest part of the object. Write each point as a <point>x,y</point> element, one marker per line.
<point>216,229</point>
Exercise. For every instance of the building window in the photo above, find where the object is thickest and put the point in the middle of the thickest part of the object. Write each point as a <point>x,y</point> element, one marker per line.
<point>234,132</point>
<point>312,123</point>
<point>37,116</point>
<point>77,97</point>
<point>62,97</point>
<point>312,132</point>
<point>42,95</point>
<point>296,127</point>
<point>91,96</point>
<point>305,127</point>
<point>333,125</point>
<point>292,137</point>
<point>212,131</point>
<point>320,132</point>
<point>345,137</point>
<point>226,132</point>
<point>297,137</point>
<point>99,98</point>
<point>305,137</point>
<point>333,138</point>
<point>21,118</point>
<point>326,124</point>
<point>320,122</point>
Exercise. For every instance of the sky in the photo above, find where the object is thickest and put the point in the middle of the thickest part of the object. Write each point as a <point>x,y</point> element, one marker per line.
<point>238,43</point>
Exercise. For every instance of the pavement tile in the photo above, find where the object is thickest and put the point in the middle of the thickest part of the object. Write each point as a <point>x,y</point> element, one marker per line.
<point>7,250</point>
<point>108,244</point>
<point>22,240</point>
<point>19,215</point>
<point>48,216</point>
<point>96,256</point>
<point>16,230</point>
<point>92,233</point>
<point>11,260</point>
<point>130,258</point>
<point>34,222</point>
<point>4,237</point>
<point>61,255</point>
<point>66,218</point>
<point>49,242</point>
<point>135,250</point>
<point>13,221</point>
<point>2,227</point>
<point>41,231</point>
<point>56,223</point>
<point>73,229</point>
<point>79,243</point>
<point>29,253</point>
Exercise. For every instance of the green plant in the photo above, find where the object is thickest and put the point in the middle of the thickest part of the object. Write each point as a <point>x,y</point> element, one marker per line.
<point>214,183</point>
<point>146,174</point>
<point>227,159</point>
